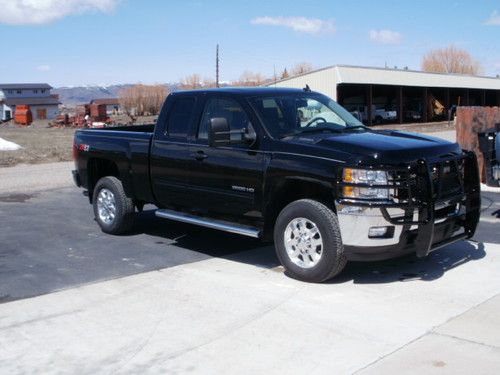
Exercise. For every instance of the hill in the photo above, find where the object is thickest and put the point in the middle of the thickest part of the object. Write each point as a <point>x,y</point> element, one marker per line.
<point>84,94</point>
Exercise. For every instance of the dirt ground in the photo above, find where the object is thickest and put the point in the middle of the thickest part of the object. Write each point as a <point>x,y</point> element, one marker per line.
<point>42,144</point>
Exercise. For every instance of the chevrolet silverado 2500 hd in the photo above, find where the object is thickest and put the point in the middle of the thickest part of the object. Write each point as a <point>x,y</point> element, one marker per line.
<point>287,165</point>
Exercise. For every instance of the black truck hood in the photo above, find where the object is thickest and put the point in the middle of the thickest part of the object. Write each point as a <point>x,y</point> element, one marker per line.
<point>384,146</point>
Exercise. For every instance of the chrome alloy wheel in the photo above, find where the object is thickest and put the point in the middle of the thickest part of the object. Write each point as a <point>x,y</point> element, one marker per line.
<point>106,206</point>
<point>303,242</point>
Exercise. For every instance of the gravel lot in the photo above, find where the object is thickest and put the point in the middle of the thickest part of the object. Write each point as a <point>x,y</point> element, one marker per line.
<point>175,298</point>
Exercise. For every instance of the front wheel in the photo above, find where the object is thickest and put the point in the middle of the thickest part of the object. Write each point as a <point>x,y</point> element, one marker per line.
<point>113,210</point>
<point>308,241</point>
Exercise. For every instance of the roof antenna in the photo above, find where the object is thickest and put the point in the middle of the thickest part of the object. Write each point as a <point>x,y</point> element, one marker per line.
<point>307,88</point>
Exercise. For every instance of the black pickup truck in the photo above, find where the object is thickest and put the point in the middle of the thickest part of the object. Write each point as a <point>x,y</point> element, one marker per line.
<point>287,165</point>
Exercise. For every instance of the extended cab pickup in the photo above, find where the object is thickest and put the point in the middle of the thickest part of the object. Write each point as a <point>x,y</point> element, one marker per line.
<point>287,165</point>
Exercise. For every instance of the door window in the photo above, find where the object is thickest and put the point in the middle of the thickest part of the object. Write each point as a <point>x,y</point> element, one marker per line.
<point>229,109</point>
<point>180,117</point>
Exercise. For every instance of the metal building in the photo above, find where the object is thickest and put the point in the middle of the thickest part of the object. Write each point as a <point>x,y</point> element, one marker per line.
<point>398,95</point>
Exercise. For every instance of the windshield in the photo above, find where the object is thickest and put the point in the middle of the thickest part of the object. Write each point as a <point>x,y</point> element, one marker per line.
<point>292,114</point>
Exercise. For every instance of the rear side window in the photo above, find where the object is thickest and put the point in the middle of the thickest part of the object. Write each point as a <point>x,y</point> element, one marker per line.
<point>180,117</point>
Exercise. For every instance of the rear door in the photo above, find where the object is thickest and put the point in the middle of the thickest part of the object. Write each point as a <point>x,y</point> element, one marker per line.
<point>226,179</point>
<point>170,160</point>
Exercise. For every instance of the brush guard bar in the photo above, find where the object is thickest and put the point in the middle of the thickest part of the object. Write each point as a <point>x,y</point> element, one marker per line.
<point>418,186</point>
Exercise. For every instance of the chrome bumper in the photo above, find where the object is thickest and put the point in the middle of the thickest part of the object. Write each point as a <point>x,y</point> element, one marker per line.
<point>355,223</point>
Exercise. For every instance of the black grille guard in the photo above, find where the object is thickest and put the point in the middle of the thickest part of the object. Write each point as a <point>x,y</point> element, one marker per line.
<point>417,190</point>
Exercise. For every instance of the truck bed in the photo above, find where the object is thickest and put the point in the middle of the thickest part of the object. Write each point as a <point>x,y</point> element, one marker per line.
<point>149,128</point>
<point>125,147</point>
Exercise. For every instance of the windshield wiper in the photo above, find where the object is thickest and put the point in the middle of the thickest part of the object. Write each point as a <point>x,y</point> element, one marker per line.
<point>311,130</point>
<point>350,127</point>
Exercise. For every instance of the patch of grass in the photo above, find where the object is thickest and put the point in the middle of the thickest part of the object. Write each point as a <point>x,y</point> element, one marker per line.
<point>39,145</point>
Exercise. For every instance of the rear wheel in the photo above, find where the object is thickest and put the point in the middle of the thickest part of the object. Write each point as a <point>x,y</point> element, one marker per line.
<point>308,242</point>
<point>113,210</point>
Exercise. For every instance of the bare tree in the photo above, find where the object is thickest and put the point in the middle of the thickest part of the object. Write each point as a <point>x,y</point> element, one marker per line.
<point>450,60</point>
<point>209,83</point>
<point>143,99</point>
<point>284,74</point>
<point>249,78</point>
<point>191,82</point>
<point>127,100</point>
<point>301,68</point>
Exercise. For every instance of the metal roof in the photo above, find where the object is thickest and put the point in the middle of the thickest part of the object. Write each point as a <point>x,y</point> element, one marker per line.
<point>250,90</point>
<point>20,86</point>
<point>107,101</point>
<point>32,101</point>
<point>397,77</point>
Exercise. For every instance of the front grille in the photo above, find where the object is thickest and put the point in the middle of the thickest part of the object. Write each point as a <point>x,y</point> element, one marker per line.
<point>447,178</point>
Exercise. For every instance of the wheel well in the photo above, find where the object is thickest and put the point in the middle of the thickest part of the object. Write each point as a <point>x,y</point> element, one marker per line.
<point>292,190</point>
<point>98,168</point>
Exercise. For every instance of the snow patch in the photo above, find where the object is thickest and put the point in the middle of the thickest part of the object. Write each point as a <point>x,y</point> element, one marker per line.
<point>8,146</point>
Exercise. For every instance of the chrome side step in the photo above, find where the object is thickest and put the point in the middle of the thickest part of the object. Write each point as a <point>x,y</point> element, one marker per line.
<point>225,226</point>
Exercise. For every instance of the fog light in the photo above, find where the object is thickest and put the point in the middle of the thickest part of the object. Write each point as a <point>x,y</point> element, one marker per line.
<point>380,232</point>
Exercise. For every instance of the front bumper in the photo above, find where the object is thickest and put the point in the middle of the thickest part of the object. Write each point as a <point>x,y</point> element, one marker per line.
<point>422,222</point>
<point>355,223</point>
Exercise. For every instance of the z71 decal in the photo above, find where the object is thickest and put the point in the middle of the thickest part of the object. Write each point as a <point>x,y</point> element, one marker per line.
<point>83,147</point>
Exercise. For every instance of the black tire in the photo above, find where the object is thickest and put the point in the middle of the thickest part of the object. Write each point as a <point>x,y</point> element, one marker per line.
<point>124,206</point>
<point>332,260</point>
<point>379,120</point>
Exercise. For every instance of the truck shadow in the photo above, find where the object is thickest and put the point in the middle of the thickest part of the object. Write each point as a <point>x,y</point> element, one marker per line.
<point>411,268</point>
<point>250,251</point>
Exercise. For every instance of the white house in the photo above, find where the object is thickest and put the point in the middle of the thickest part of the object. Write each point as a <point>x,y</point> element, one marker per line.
<point>43,104</point>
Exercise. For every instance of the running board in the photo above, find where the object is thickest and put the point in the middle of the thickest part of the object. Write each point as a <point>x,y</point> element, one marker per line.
<point>225,226</point>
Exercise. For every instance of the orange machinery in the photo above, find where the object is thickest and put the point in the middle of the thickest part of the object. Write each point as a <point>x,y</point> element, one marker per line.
<point>23,115</point>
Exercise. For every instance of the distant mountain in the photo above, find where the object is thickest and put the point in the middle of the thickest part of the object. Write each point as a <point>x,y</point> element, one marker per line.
<point>84,94</point>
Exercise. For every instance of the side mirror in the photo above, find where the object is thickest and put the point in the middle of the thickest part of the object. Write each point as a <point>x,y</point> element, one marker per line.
<point>249,136</point>
<point>218,134</point>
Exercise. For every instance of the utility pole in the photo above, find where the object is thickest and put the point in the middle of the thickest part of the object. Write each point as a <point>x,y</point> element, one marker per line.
<point>217,66</point>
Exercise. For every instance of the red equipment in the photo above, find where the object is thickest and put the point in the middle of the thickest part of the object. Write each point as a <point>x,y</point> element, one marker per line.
<point>23,115</point>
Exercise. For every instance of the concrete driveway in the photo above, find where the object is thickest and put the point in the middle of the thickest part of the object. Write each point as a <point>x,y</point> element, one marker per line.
<point>173,298</point>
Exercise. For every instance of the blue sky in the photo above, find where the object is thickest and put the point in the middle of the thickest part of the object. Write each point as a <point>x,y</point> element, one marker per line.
<point>151,41</point>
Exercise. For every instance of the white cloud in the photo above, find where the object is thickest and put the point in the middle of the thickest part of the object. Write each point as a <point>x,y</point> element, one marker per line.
<point>299,24</point>
<point>37,12</point>
<point>385,36</point>
<point>43,68</point>
<point>494,19</point>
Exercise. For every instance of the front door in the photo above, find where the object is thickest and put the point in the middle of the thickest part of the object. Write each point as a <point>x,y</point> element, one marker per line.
<point>226,179</point>
<point>41,113</point>
<point>170,160</point>
<point>8,115</point>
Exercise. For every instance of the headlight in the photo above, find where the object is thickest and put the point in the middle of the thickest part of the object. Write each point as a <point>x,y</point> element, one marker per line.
<point>368,177</point>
